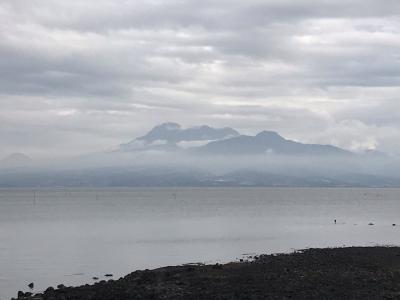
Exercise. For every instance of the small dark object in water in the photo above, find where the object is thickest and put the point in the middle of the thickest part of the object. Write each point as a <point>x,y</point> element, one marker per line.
<point>335,221</point>
<point>31,285</point>
<point>371,224</point>
<point>108,275</point>
<point>393,224</point>
<point>95,278</point>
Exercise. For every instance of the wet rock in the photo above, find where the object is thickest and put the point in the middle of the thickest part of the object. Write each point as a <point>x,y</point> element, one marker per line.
<point>61,286</point>
<point>31,285</point>
<point>108,275</point>
<point>95,278</point>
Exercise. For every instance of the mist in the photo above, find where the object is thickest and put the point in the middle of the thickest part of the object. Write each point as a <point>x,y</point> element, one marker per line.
<point>156,168</point>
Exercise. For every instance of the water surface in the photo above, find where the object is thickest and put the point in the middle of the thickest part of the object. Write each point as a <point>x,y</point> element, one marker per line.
<point>53,236</point>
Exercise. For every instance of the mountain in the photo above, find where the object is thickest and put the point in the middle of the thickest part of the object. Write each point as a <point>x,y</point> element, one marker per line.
<point>167,136</point>
<point>170,137</point>
<point>16,160</point>
<point>267,142</point>
<point>174,133</point>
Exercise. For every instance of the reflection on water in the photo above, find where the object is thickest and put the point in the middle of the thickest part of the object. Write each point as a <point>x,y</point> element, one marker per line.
<point>53,236</point>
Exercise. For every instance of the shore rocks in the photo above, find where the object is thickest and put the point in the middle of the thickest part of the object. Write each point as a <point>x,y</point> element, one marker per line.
<point>339,273</point>
<point>22,295</point>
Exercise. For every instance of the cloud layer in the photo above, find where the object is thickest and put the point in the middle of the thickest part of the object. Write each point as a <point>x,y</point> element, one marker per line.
<point>82,76</point>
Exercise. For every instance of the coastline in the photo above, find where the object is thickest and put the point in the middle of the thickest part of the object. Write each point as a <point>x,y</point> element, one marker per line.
<point>327,273</point>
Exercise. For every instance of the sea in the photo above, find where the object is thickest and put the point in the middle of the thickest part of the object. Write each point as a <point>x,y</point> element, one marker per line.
<point>70,235</point>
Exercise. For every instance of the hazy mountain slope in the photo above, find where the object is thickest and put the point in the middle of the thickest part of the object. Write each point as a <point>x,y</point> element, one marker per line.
<point>16,160</point>
<point>267,142</point>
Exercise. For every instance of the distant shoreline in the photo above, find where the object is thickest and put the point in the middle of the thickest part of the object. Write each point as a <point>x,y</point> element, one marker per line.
<point>329,273</point>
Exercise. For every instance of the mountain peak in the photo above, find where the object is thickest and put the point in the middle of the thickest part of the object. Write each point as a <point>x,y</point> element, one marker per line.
<point>170,134</point>
<point>266,134</point>
<point>169,126</point>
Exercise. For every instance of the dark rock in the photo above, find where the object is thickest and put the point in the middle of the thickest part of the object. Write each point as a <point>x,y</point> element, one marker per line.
<point>61,286</point>
<point>338,273</point>
<point>31,285</point>
<point>108,275</point>
<point>49,289</point>
<point>217,266</point>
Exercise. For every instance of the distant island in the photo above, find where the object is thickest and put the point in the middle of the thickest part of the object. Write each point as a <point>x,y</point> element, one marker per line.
<point>201,156</point>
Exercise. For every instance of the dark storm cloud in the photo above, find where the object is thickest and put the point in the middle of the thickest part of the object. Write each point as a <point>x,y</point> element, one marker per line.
<point>86,75</point>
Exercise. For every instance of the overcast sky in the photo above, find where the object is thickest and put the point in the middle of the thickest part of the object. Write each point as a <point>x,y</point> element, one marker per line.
<point>84,76</point>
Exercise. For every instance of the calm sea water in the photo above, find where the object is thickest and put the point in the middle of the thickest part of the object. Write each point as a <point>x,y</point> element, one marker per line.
<point>53,236</point>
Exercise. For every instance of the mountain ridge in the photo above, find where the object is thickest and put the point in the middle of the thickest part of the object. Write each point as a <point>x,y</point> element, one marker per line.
<point>167,136</point>
<point>268,142</point>
<point>223,141</point>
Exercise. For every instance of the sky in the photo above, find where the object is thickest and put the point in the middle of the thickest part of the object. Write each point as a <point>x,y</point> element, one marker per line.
<point>85,76</point>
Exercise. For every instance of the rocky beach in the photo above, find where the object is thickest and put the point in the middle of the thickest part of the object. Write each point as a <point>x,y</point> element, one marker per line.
<point>331,273</point>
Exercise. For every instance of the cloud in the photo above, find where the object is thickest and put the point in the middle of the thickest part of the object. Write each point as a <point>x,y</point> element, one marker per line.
<point>82,76</point>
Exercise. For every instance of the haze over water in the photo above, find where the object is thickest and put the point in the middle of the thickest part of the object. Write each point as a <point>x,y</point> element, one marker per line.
<point>53,236</point>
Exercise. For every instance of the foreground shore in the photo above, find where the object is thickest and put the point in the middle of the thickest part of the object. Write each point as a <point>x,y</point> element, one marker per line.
<point>337,273</point>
